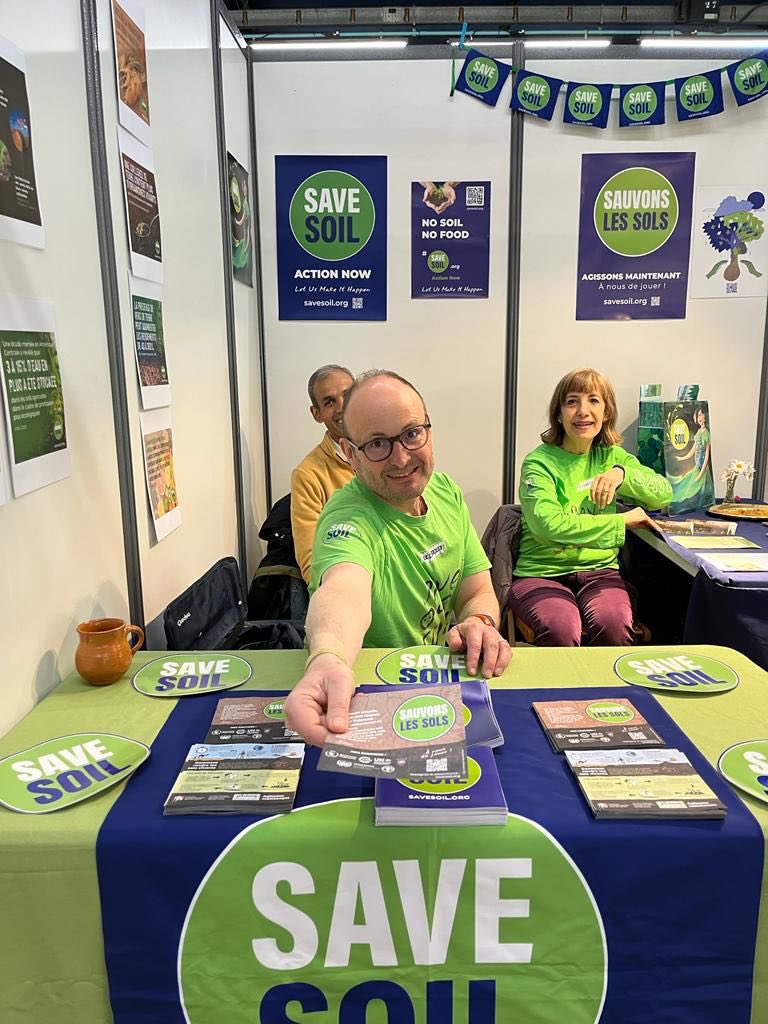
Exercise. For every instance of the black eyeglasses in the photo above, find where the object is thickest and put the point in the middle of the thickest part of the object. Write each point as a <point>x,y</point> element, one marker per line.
<point>380,448</point>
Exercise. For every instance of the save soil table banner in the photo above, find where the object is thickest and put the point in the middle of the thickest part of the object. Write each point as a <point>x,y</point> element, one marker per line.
<point>634,236</point>
<point>331,237</point>
<point>450,237</point>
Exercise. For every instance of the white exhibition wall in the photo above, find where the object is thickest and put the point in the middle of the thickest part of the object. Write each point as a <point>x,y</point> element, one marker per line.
<point>234,73</point>
<point>62,547</point>
<point>453,351</point>
<point>719,344</point>
<point>184,144</point>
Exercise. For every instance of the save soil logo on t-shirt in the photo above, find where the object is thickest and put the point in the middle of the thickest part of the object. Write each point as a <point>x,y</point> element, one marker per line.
<point>320,915</point>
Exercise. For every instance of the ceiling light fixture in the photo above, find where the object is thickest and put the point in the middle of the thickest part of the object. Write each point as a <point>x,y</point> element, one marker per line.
<point>715,42</point>
<point>331,44</point>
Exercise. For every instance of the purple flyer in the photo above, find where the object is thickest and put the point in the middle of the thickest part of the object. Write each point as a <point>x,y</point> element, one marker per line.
<point>634,236</point>
<point>450,235</point>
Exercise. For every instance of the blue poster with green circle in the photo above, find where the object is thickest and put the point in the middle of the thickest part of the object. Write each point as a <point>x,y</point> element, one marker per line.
<point>634,236</point>
<point>331,228</point>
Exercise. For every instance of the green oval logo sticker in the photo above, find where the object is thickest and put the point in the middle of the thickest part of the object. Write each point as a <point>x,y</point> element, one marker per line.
<point>187,673</point>
<point>676,671</point>
<point>636,211</point>
<point>438,262</point>
<point>430,665</point>
<point>639,103</point>
<point>423,718</point>
<point>482,74</point>
<point>63,771</point>
<point>447,786</point>
<point>332,215</point>
<point>697,93</point>
<point>751,76</point>
<point>534,93</point>
<point>745,765</point>
<point>275,711</point>
<point>585,103</point>
<point>322,907</point>
<point>610,712</point>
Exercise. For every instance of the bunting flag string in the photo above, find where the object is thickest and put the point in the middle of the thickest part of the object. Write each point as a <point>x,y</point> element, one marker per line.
<point>588,103</point>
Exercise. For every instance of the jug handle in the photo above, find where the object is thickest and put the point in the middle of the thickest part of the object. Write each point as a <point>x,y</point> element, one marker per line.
<point>140,633</point>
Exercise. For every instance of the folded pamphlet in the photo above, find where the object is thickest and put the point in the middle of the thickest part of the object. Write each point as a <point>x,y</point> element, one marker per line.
<point>475,799</point>
<point>595,724</point>
<point>643,784</point>
<point>245,719</point>
<point>401,732</point>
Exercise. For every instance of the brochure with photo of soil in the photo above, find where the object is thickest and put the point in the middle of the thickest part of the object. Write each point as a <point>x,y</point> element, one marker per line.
<point>696,527</point>
<point>475,799</point>
<point>251,719</point>
<point>643,784</point>
<point>237,778</point>
<point>401,732</point>
<point>594,724</point>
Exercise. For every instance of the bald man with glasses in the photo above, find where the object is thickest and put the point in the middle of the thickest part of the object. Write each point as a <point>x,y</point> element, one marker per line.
<point>395,558</point>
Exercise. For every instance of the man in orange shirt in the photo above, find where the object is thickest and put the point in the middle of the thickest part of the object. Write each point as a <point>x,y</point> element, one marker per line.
<point>325,469</point>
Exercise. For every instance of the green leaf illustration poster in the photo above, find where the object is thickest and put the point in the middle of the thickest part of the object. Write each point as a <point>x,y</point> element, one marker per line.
<point>730,243</point>
<point>33,395</point>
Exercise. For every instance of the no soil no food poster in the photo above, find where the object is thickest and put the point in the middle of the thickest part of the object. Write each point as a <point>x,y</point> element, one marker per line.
<point>20,219</point>
<point>32,395</point>
<point>634,236</point>
<point>450,232</point>
<point>331,237</point>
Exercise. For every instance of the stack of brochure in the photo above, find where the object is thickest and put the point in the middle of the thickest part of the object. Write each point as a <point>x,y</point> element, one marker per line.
<point>229,773</point>
<point>643,784</point>
<point>480,723</point>
<point>595,724</point>
<point>476,799</point>
<point>693,527</point>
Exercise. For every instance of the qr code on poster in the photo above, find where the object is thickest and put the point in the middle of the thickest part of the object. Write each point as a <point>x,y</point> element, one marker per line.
<point>731,287</point>
<point>655,300</point>
<point>357,303</point>
<point>475,195</point>
<point>437,764</point>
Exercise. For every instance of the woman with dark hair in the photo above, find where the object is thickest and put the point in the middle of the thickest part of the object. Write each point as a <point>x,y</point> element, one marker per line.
<point>567,577</point>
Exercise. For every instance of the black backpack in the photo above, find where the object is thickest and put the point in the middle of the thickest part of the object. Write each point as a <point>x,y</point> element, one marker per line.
<point>210,616</point>
<point>277,590</point>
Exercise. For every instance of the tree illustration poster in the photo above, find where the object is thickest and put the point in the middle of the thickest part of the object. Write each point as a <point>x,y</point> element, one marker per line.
<point>730,242</point>
<point>32,395</point>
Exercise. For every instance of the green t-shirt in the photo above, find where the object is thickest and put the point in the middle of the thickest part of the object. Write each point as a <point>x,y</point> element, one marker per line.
<point>563,531</point>
<point>417,563</point>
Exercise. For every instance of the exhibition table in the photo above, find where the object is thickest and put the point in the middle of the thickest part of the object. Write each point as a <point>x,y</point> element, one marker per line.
<point>667,901</point>
<point>725,608</point>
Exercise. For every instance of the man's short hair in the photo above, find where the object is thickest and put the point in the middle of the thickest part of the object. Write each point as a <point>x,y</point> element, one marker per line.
<point>371,375</point>
<point>321,374</point>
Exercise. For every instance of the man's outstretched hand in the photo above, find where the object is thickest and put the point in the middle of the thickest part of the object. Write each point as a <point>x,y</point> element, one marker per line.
<point>319,703</point>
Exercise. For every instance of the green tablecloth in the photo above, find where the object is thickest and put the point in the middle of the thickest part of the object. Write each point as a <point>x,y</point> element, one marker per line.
<point>51,953</point>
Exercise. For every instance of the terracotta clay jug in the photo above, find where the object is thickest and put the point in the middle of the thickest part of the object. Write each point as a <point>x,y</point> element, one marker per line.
<point>104,653</point>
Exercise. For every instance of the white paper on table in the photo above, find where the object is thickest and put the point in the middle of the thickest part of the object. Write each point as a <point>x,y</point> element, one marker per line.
<point>739,562</point>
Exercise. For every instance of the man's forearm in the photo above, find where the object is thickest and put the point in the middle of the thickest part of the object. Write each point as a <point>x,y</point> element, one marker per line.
<point>481,603</point>
<point>336,623</point>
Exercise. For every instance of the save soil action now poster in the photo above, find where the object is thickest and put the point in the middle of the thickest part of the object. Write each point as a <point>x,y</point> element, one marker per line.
<point>450,237</point>
<point>33,396</point>
<point>331,216</point>
<point>634,236</point>
<point>20,217</point>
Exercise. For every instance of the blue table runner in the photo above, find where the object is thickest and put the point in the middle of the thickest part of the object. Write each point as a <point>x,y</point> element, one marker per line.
<point>679,899</point>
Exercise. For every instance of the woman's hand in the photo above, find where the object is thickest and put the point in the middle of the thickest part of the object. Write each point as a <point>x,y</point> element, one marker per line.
<point>605,485</point>
<point>637,519</point>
